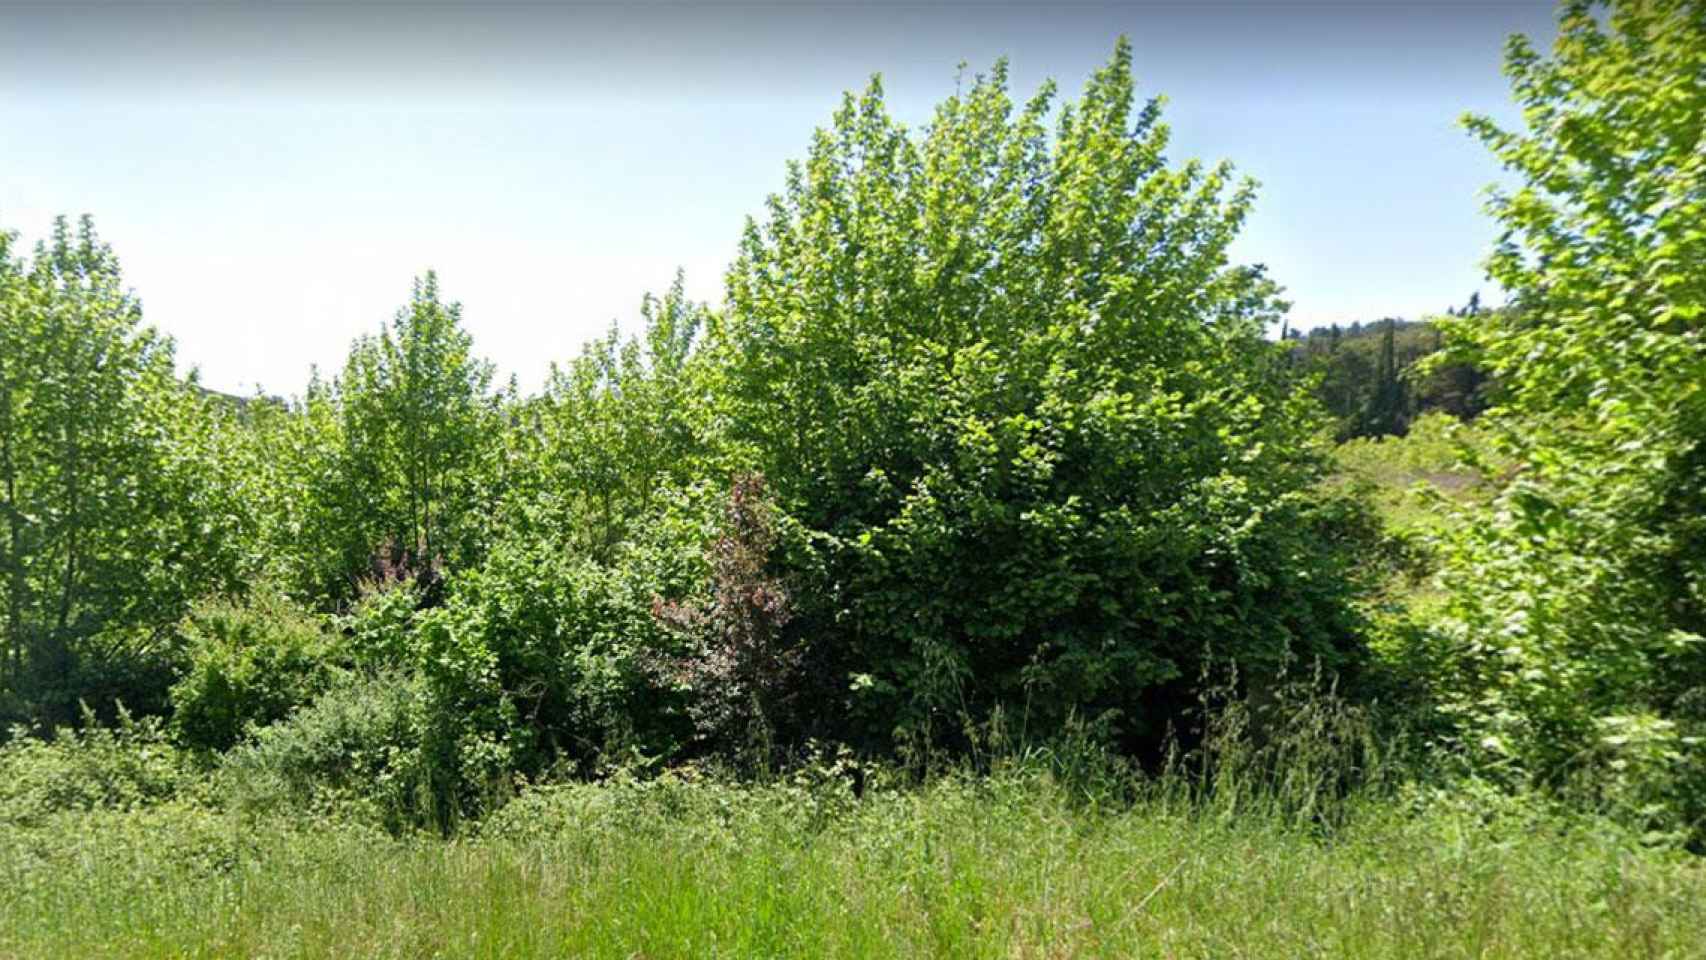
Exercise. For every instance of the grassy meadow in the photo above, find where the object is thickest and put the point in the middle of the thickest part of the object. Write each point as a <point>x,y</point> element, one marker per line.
<point>1018,864</point>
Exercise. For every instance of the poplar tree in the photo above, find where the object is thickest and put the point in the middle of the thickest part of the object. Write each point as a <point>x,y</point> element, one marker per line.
<point>109,518</point>
<point>417,429</point>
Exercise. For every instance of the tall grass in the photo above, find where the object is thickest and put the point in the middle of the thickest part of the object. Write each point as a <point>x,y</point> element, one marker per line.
<point>1288,832</point>
<point>1012,865</point>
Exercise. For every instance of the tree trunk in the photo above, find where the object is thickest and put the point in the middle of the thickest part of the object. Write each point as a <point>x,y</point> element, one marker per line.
<point>11,660</point>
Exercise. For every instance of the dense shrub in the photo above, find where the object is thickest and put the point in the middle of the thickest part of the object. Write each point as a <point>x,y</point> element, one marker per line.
<point>1575,630</point>
<point>125,766</point>
<point>378,628</point>
<point>739,674</point>
<point>1008,384</point>
<point>534,662</point>
<point>357,749</point>
<point>539,658</point>
<point>249,662</point>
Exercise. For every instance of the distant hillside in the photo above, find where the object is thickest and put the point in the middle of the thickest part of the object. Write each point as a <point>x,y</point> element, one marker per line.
<point>1369,381</point>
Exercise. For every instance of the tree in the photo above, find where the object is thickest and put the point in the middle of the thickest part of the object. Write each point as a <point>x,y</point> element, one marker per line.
<point>1574,629</point>
<point>1008,386</point>
<point>614,429</point>
<point>1387,412</point>
<point>109,509</point>
<point>418,417</point>
<point>738,669</point>
<point>394,461</point>
<point>12,439</point>
<point>1373,383</point>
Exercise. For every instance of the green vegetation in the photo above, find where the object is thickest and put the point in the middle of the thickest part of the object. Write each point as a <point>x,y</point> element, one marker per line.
<point>976,578</point>
<point>1579,597</point>
<point>994,868</point>
<point>1371,379</point>
<point>1249,849</point>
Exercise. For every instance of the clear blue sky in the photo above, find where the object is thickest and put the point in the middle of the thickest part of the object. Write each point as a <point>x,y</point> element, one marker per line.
<point>272,177</point>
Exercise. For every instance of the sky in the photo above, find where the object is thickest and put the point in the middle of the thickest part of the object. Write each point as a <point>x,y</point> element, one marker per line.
<point>273,176</point>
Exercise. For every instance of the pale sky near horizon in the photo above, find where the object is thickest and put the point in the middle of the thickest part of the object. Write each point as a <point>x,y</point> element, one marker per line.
<point>273,176</point>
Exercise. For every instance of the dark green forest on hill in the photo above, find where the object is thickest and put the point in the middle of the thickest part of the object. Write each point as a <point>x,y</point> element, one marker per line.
<point>1372,381</point>
<point>988,448</point>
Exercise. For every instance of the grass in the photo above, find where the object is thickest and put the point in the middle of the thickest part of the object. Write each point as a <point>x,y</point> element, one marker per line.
<point>1014,865</point>
<point>1429,457</point>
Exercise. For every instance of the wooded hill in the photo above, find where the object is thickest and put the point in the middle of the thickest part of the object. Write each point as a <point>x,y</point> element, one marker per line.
<point>1370,381</point>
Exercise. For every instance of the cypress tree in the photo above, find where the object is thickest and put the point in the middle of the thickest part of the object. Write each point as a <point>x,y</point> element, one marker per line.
<point>1385,413</point>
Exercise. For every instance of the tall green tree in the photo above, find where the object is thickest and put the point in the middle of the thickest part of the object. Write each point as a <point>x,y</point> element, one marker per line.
<point>1575,626</point>
<point>1387,412</point>
<point>418,419</point>
<point>311,517</point>
<point>395,461</point>
<point>1033,450</point>
<point>12,308</point>
<point>612,431</point>
<point>110,510</point>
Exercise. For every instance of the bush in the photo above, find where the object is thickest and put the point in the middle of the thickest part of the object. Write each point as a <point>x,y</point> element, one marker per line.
<point>379,628</point>
<point>1043,457</point>
<point>356,749</point>
<point>1574,628</point>
<point>539,659</point>
<point>739,674</point>
<point>534,662</point>
<point>250,662</point>
<point>128,765</point>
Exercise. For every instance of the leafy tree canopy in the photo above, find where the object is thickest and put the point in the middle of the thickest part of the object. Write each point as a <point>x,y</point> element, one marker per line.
<point>1002,375</point>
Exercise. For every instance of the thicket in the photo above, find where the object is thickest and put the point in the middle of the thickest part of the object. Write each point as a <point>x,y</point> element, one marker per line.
<point>1578,599</point>
<point>986,444</point>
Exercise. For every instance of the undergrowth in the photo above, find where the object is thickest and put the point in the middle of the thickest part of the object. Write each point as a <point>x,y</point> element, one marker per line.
<point>1291,830</point>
